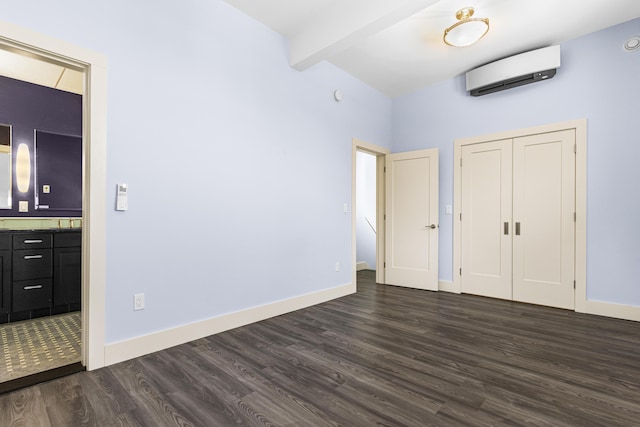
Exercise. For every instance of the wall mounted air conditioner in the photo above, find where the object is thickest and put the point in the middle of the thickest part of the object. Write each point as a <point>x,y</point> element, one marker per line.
<point>518,70</point>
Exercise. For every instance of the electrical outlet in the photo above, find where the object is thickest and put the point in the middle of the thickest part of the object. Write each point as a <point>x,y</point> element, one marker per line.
<point>138,302</point>
<point>337,266</point>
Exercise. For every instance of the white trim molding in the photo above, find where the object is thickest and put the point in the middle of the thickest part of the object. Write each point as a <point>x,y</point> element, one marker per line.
<point>362,265</point>
<point>146,344</point>
<point>618,311</point>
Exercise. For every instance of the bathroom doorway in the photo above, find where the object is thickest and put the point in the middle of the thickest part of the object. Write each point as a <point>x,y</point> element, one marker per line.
<point>41,226</point>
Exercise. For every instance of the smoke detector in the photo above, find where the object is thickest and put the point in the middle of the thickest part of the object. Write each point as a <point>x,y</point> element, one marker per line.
<point>632,44</point>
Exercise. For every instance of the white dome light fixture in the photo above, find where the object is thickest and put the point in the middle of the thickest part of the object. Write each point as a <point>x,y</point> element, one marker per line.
<point>467,30</point>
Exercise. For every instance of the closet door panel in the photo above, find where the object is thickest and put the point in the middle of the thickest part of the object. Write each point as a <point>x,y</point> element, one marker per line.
<point>543,209</point>
<point>486,219</point>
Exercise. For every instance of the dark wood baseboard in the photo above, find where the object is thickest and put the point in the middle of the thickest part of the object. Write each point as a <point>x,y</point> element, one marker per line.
<point>40,377</point>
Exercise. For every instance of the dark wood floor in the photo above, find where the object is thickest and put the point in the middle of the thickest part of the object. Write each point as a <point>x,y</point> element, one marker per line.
<point>385,356</point>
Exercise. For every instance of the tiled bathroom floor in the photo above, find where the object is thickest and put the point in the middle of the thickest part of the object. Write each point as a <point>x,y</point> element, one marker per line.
<point>38,345</point>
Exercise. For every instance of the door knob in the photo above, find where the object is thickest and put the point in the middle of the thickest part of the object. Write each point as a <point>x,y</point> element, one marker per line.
<point>432,226</point>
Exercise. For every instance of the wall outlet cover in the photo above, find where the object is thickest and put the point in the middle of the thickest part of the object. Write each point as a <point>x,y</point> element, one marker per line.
<point>23,206</point>
<point>138,302</point>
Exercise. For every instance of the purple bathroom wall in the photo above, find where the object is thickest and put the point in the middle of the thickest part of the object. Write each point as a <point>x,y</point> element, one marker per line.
<point>29,107</point>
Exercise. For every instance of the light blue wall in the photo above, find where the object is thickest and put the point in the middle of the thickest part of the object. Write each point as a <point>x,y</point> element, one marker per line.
<point>597,81</point>
<point>238,166</point>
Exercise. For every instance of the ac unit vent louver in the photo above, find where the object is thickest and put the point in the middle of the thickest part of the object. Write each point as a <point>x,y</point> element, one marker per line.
<point>514,71</point>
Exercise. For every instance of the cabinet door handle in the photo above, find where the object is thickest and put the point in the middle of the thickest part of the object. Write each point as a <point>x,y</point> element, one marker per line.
<point>30,241</point>
<point>32,256</point>
<point>29,288</point>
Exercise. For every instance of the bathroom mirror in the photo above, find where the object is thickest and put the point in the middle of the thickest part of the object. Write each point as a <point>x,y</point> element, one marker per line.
<point>58,171</point>
<point>5,166</point>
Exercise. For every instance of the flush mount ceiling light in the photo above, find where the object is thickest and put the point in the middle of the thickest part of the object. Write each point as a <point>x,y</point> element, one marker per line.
<point>467,30</point>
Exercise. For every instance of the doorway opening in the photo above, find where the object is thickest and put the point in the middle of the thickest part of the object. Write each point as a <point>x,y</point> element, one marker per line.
<point>92,71</point>
<point>367,213</point>
<point>41,241</point>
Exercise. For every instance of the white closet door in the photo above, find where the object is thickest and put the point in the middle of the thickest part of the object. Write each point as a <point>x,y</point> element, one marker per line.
<point>543,215</point>
<point>412,219</point>
<point>486,208</point>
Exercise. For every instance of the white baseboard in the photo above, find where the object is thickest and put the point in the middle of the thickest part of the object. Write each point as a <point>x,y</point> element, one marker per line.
<point>619,311</point>
<point>146,344</point>
<point>446,286</point>
<point>362,265</point>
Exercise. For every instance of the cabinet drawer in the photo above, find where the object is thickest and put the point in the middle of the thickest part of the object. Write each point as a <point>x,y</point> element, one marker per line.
<point>32,241</point>
<point>31,294</point>
<point>32,264</point>
<point>67,240</point>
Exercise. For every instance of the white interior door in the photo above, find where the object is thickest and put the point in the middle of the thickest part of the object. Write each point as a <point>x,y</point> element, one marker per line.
<point>486,226</point>
<point>411,209</point>
<point>543,215</point>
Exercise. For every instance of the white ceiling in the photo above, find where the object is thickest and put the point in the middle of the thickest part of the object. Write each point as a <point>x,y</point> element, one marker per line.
<point>396,45</point>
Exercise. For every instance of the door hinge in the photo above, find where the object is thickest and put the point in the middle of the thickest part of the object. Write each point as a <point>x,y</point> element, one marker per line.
<point>385,169</point>
<point>574,284</point>
<point>575,148</point>
<point>385,217</point>
<point>460,216</point>
<point>461,271</point>
<point>574,217</point>
<point>384,264</point>
<point>460,161</point>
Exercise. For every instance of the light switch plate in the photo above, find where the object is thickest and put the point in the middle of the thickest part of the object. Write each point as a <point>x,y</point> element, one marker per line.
<point>46,189</point>
<point>122,202</point>
<point>23,206</point>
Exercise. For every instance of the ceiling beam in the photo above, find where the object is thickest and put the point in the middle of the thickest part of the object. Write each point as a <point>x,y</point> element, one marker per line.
<point>346,24</point>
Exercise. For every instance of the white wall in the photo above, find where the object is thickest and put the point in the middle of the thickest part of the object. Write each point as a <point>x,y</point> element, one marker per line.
<point>597,81</point>
<point>238,166</point>
<point>366,208</point>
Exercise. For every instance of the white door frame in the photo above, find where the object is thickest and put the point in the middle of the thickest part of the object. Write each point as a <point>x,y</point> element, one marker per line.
<point>94,137</point>
<point>380,153</point>
<point>580,127</point>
